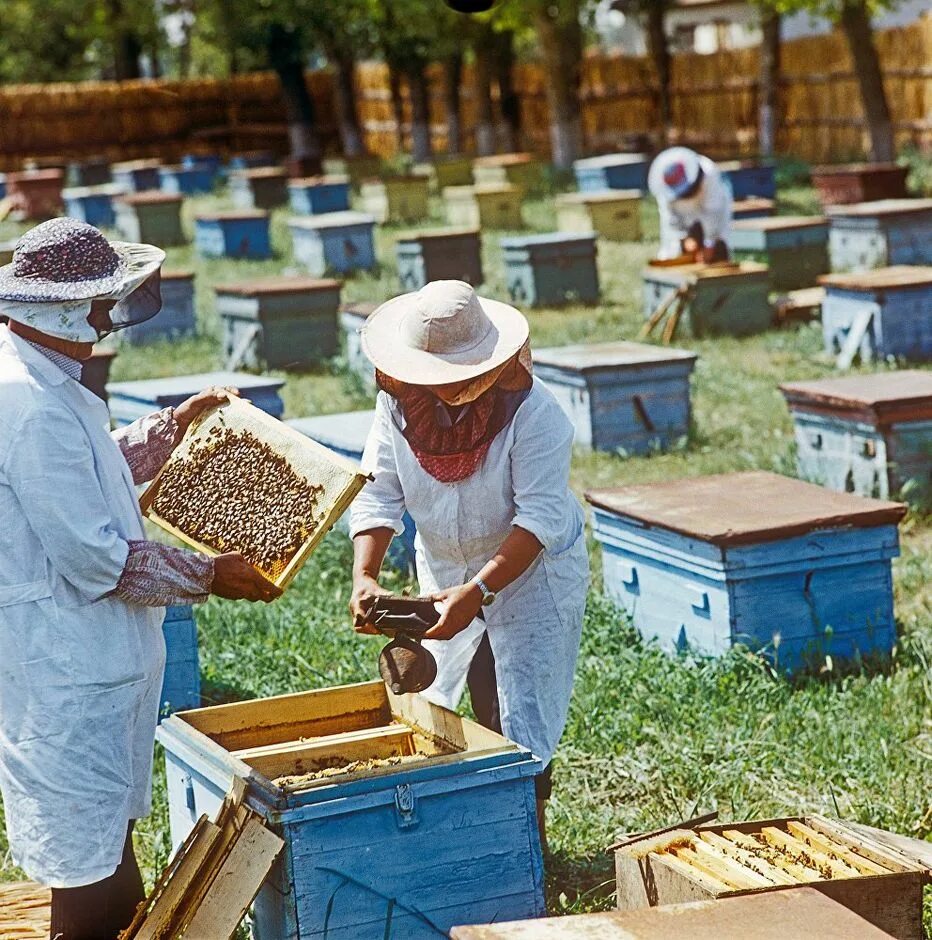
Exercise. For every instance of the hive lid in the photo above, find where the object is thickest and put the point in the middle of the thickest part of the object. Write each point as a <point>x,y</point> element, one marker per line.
<point>744,508</point>
<point>262,172</point>
<point>26,176</point>
<point>231,215</point>
<point>775,223</point>
<point>832,169</point>
<point>505,159</point>
<point>150,197</point>
<point>677,273</point>
<point>332,220</point>
<point>547,239</point>
<point>752,204</point>
<point>883,398</point>
<point>606,195</point>
<point>901,276</point>
<point>359,308</point>
<point>345,431</point>
<point>279,285</point>
<point>609,159</point>
<point>883,207</point>
<point>179,387</point>
<point>180,274</point>
<point>585,357</point>
<point>104,189</point>
<point>438,234</point>
<point>729,166</point>
<point>331,179</point>
<point>130,165</point>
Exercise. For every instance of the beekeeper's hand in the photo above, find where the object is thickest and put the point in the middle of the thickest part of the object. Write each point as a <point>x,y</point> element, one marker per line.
<point>237,580</point>
<point>188,410</point>
<point>459,607</point>
<point>365,590</point>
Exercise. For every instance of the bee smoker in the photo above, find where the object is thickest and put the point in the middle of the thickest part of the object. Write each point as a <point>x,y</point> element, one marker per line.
<point>404,664</point>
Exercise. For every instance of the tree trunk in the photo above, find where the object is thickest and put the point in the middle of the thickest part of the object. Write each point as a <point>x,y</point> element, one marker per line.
<point>126,45</point>
<point>855,21</point>
<point>485,113</point>
<point>560,38</point>
<point>344,102</point>
<point>452,104</point>
<point>769,88</point>
<point>659,50</point>
<point>398,104</point>
<point>284,52</point>
<point>509,128</point>
<point>419,90</point>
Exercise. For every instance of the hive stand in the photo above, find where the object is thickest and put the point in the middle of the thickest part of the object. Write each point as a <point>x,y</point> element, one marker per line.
<point>794,248</point>
<point>242,233</point>
<point>356,168</point>
<point>484,207</point>
<point>35,194</point>
<point>396,200</point>
<point>152,217</point>
<point>352,319</point>
<point>252,160</point>
<point>877,314</point>
<point>130,401</point>
<point>721,299</point>
<point>336,242</point>
<point>136,176</point>
<point>620,396</point>
<point>551,270</point>
<point>614,215</point>
<point>880,234</point>
<point>776,564</point>
<point>181,687</point>
<point>346,433</point>
<point>92,204</point>
<point>93,172</point>
<point>279,322</point>
<point>523,170</point>
<point>446,170</point>
<point>438,255</point>
<point>859,182</point>
<point>866,434</point>
<point>263,187</point>
<point>377,852</point>
<point>313,195</point>
<point>749,179</point>
<point>187,180</point>
<point>612,171</point>
<point>752,208</point>
<point>177,316</point>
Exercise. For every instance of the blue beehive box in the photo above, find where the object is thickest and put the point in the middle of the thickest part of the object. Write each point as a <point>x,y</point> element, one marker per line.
<point>353,318</point>
<point>882,313</point>
<point>136,176</point>
<point>92,204</point>
<point>242,233</point>
<point>346,434</point>
<point>612,171</point>
<point>211,162</point>
<point>866,434</point>
<point>794,248</point>
<point>424,820</point>
<point>336,242</point>
<point>439,255</point>
<point>264,187</point>
<point>749,179</point>
<point>130,401</point>
<point>177,317</point>
<point>181,687</point>
<point>621,396</point>
<point>786,567</point>
<point>314,195</point>
<point>551,270</point>
<point>186,180</point>
<point>880,234</point>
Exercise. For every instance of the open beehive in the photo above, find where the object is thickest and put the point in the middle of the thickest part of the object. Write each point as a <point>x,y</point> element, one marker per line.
<point>243,481</point>
<point>878,882</point>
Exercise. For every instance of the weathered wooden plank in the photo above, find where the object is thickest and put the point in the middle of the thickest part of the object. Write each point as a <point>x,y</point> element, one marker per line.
<point>822,843</point>
<point>805,854</point>
<point>799,872</point>
<point>755,862</point>
<point>885,856</point>
<point>717,866</point>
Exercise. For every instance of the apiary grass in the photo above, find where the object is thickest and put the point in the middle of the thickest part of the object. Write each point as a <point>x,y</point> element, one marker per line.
<point>651,738</point>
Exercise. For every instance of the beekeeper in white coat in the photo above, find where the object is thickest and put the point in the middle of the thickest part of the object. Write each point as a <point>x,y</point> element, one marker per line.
<point>81,590</point>
<point>477,451</point>
<point>695,204</point>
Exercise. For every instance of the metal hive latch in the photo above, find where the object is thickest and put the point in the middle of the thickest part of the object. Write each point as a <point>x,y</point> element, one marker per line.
<point>406,806</point>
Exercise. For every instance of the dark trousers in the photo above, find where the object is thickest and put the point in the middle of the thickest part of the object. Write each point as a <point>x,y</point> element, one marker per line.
<point>100,911</point>
<point>483,690</point>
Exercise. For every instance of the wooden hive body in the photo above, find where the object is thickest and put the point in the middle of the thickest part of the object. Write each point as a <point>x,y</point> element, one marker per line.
<point>613,214</point>
<point>186,180</point>
<point>859,182</point>
<point>733,860</point>
<point>891,309</point>
<point>753,558</point>
<point>264,187</point>
<point>551,270</point>
<point>130,401</point>
<point>92,204</point>
<point>152,217</point>
<point>177,316</point>
<point>279,322</point>
<point>181,687</point>
<point>448,254</point>
<point>447,170</point>
<point>794,248</point>
<point>621,396</point>
<point>318,194</point>
<point>750,180</point>
<point>881,234</point>
<point>336,242</point>
<point>869,434</point>
<point>396,199</point>
<point>753,208</point>
<point>515,169</point>
<point>399,849</point>
<point>35,194</point>
<point>243,233</point>
<point>612,171</point>
<point>732,301</point>
<point>484,207</point>
<point>356,168</point>
<point>352,320</point>
<point>93,172</point>
<point>136,176</point>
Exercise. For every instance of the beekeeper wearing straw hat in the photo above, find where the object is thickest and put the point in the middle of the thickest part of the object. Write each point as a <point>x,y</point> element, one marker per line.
<point>477,450</point>
<point>695,204</point>
<point>81,590</point>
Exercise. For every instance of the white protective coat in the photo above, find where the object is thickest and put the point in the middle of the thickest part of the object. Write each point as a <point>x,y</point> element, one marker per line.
<point>535,623</point>
<point>80,670</point>
<point>711,206</point>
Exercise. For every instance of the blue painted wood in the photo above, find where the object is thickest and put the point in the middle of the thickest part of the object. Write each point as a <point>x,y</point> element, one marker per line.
<point>177,316</point>
<point>336,242</point>
<point>92,204</point>
<point>2,185</point>
<point>319,194</point>
<point>347,433</point>
<point>551,270</point>
<point>242,234</point>
<point>749,180</point>
<point>444,254</point>
<point>181,687</point>
<point>794,248</point>
<point>186,180</point>
<point>136,176</point>
<point>621,397</point>
<point>130,401</point>
<point>880,234</point>
<point>211,162</point>
<point>612,171</point>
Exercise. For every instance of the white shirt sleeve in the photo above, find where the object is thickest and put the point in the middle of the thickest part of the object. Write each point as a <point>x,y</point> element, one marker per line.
<point>381,502</point>
<point>716,207</point>
<point>671,233</point>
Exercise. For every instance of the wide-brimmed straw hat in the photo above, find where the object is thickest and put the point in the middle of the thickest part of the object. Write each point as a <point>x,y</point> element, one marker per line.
<point>441,334</point>
<point>67,260</point>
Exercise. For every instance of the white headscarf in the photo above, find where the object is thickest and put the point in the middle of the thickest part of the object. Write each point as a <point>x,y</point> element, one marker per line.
<point>66,319</point>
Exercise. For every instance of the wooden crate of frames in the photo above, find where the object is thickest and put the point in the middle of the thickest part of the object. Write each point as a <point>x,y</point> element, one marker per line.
<point>241,481</point>
<point>871,878</point>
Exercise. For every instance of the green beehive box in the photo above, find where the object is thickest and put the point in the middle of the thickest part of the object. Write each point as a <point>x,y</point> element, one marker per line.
<point>614,214</point>
<point>447,170</point>
<point>152,217</point>
<point>795,248</point>
<point>483,207</point>
<point>356,168</point>
<point>396,199</point>
<point>519,169</point>
<point>262,187</point>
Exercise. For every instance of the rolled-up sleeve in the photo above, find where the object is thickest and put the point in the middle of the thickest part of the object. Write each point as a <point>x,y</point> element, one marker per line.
<point>381,502</point>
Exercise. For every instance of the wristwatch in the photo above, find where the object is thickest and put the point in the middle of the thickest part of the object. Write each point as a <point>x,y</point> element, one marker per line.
<point>488,597</point>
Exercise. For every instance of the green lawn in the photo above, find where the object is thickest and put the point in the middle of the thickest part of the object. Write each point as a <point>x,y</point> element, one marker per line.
<point>651,738</point>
